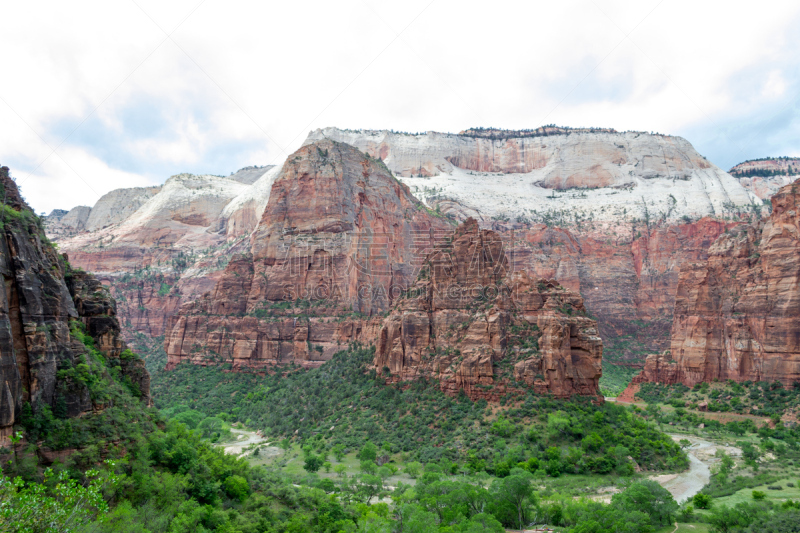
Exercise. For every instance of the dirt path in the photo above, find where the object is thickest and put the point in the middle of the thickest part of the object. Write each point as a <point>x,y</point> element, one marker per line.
<point>702,454</point>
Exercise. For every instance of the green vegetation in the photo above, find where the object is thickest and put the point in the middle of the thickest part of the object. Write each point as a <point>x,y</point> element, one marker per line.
<point>615,378</point>
<point>339,404</point>
<point>752,398</point>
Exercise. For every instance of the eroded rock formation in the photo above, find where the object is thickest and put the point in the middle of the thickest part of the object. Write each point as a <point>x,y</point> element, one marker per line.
<point>565,176</point>
<point>475,325</point>
<point>40,297</point>
<point>764,177</point>
<point>338,242</point>
<point>618,237</point>
<point>737,313</point>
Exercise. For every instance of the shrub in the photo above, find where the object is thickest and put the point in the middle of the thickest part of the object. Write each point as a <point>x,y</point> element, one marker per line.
<point>702,501</point>
<point>237,487</point>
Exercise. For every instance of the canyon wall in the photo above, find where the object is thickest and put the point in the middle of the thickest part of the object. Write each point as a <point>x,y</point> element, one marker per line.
<point>42,297</point>
<point>474,325</point>
<point>604,179</point>
<point>736,313</point>
<point>338,242</point>
<point>610,215</point>
<point>159,247</point>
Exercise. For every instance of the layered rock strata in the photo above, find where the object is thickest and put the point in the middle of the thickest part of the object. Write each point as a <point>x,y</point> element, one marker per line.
<point>764,177</point>
<point>607,214</point>
<point>736,313</point>
<point>475,325</point>
<point>339,241</point>
<point>40,297</point>
<point>600,176</point>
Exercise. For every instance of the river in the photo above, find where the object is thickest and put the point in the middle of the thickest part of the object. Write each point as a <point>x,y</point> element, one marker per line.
<point>702,455</point>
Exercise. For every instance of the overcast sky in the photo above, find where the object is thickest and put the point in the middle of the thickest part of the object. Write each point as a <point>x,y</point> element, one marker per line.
<point>101,95</point>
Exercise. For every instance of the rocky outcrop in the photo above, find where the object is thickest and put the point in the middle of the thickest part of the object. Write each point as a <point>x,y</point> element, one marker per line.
<point>474,325</point>
<point>251,174</point>
<point>338,242</point>
<point>41,297</point>
<point>736,313</point>
<point>60,224</point>
<point>117,205</point>
<point>764,177</point>
<point>159,247</point>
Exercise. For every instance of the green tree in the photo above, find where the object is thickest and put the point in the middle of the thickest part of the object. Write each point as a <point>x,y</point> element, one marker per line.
<point>484,523</point>
<point>211,426</point>
<point>369,452</point>
<point>369,486</point>
<point>237,487</point>
<point>413,469</point>
<point>502,427</point>
<point>338,452</point>
<point>368,467</point>
<point>59,505</point>
<point>648,497</point>
<point>592,442</point>
<point>191,418</point>
<point>702,501</point>
<point>517,490</point>
<point>312,462</point>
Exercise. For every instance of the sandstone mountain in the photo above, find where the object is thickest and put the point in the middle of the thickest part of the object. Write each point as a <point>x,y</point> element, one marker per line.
<point>557,175</point>
<point>43,301</point>
<point>737,312</point>
<point>157,247</point>
<point>609,215</point>
<point>339,241</point>
<point>472,323</point>
<point>765,176</point>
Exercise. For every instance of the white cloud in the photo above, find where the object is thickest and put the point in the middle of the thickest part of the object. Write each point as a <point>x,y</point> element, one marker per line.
<point>245,80</point>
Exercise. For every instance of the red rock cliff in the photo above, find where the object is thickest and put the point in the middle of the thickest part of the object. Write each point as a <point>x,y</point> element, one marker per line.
<point>339,241</point>
<point>473,324</point>
<point>737,313</point>
<point>39,297</point>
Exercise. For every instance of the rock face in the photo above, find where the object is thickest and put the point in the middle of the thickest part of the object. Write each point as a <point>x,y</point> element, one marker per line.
<point>475,325</point>
<point>610,215</point>
<point>736,313</point>
<point>250,175</point>
<point>115,206</point>
<point>765,176</point>
<point>627,284</point>
<point>158,247</point>
<point>340,236</point>
<point>65,224</point>
<point>602,176</point>
<point>40,296</point>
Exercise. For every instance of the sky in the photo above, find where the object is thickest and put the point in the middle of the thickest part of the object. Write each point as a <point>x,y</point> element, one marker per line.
<point>99,95</point>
